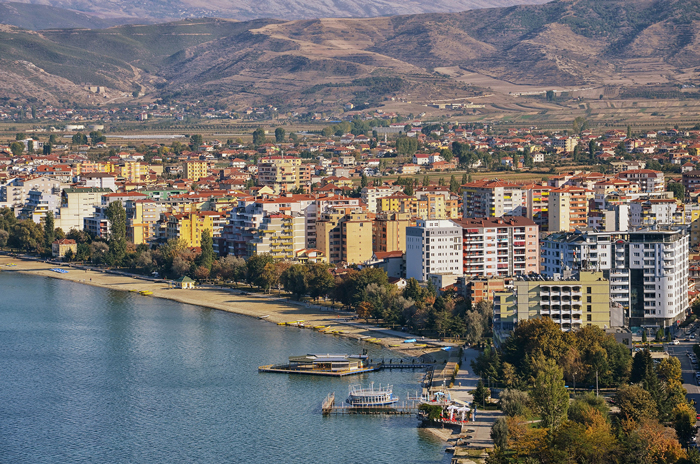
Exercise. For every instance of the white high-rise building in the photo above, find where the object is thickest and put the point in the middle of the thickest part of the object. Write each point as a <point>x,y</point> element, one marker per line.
<point>648,269</point>
<point>433,247</point>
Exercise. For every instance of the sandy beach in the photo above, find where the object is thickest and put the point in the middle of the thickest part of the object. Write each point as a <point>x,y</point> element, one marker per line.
<point>266,307</point>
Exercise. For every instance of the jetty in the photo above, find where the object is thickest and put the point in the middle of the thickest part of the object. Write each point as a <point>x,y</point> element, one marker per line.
<point>336,365</point>
<point>407,407</point>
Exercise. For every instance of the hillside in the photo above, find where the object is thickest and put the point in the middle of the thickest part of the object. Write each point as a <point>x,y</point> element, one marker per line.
<point>611,44</point>
<point>35,17</point>
<point>149,10</point>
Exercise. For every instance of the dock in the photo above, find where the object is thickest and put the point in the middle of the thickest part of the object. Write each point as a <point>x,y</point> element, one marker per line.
<point>408,407</point>
<point>284,369</point>
<point>287,369</point>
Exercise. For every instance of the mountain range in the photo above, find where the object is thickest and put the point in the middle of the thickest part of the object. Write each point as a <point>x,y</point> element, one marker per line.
<point>584,43</point>
<point>31,12</point>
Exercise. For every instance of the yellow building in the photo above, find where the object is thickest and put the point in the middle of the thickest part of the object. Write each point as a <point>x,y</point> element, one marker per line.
<point>571,304</point>
<point>345,238</point>
<point>389,231</point>
<point>195,170</point>
<point>143,220</point>
<point>132,171</point>
<point>282,173</point>
<point>189,227</point>
<point>428,206</point>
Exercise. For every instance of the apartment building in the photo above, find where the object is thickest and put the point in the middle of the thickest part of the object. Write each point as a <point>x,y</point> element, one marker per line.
<point>649,181</point>
<point>280,236</point>
<point>499,246</point>
<point>433,247</point>
<point>492,199</point>
<point>571,303</point>
<point>389,231</point>
<point>370,195</point>
<point>646,213</point>
<point>345,237</point>
<point>537,204</point>
<point>648,269</point>
<point>132,170</point>
<point>142,220</point>
<point>195,170</point>
<point>78,204</point>
<point>281,173</point>
<point>189,227</point>
<point>15,192</point>
<point>568,208</point>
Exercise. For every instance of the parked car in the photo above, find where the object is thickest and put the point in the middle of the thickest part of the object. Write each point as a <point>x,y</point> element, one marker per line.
<point>676,342</point>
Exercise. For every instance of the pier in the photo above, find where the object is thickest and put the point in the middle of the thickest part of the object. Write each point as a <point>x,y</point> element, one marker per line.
<point>290,369</point>
<point>408,407</point>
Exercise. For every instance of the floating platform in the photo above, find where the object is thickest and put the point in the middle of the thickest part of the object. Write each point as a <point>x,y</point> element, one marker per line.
<point>408,407</point>
<point>287,369</point>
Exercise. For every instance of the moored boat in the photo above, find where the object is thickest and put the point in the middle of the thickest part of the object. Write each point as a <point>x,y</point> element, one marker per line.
<point>361,397</point>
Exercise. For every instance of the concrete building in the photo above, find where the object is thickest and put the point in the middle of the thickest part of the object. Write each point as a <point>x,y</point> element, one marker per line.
<point>345,237</point>
<point>281,173</point>
<point>537,204</point>
<point>78,204</point>
<point>499,246</point>
<point>571,303</point>
<point>433,247</point>
<point>195,170</point>
<point>142,220</point>
<point>648,269</point>
<point>370,195</point>
<point>59,248</point>
<point>280,236</point>
<point>15,192</point>
<point>568,208</point>
<point>646,213</point>
<point>389,230</point>
<point>649,181</point>
<point>492,199</point>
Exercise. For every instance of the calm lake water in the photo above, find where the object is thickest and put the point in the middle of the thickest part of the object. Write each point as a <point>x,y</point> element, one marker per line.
<point>94,375</point>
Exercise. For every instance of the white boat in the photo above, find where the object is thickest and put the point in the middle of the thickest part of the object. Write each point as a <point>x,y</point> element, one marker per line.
<point>361,397</point>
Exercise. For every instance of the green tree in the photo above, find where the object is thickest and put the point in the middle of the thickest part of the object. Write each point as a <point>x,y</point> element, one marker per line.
<point>364,182</point>
<point>580,124</point>
<point>206,258</point>
<point>49,230</point>
<point>17,148</point>
<point>454,185</point>
<point>514,402</point>
<point>255,267</point>
<point>678,190</point>
<point>635,403</point>
<point>259,136</point>
<point>426,181</point>
<point>549,394</point>
<point>196,141</point>
<point>46,150</point>
<point>26,235</point>
<point>319,280</point>
<point>4,237</point>
<point>20,136</point>
<point>79,139</point>
<point>294,280</point>
<point>116,214</point>
<point>684,418</point>
<point>499,432</point>
<point>279,135</point>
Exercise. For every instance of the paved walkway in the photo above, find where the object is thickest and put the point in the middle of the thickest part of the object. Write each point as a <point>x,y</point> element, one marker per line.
<point>464,385</point>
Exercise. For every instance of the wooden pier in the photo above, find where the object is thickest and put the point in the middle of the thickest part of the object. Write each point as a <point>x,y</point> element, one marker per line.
<point>408,407</point>
<point>286,369</point>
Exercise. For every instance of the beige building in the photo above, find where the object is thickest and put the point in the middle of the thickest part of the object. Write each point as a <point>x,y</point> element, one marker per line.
<point>282,173</point>
<point>345,238</point>
<point>78,204</point>
<point>280,236</point>
<point>568,208</point>
<point>142,222</point>
<point>389,231</point>
<point>59,248</point>
<point>571,304</point>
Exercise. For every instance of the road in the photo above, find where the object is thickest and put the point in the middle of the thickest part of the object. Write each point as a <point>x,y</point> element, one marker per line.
<point>689,381</point>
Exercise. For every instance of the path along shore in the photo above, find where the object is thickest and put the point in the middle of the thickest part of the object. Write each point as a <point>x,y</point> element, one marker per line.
<point>267,307</point>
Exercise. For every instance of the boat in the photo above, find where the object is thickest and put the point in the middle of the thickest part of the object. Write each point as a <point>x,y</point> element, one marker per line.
<point>324,364</point>
<point>146,292</point>
<point>361,397</point>
<point>264,317</point>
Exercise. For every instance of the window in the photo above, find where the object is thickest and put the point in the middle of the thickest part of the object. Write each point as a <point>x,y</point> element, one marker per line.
<point>588,290</point>
<point>588,308</point>
<point>588,317</point>
<point>588,299</point>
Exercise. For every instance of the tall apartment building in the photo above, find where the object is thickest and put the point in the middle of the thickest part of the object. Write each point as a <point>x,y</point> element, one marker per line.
<point>499,246</point>
<point>76,205</point>
<point>195,170</point>
<point>646,213</point>
<point>537,204</point>
<point>189,227</point>
<point>648,269</point>
<point>389,230</point>
<point>492,199</point>
<point>142,220</point>
<point>281,173</point>
<point>370,195</point>
<point>15,192</point>
<point>649,181</point>
<point>279,235</point>
<point>345,237</point>
<point>132,170</point>
<point>433,247</point>
<point>568,208</point>
<point>571,303</point>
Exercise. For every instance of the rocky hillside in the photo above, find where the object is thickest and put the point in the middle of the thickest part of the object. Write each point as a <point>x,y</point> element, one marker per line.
<point>562,43</point>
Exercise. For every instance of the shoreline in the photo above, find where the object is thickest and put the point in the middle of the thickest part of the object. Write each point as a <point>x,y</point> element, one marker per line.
<point>265,308</point>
